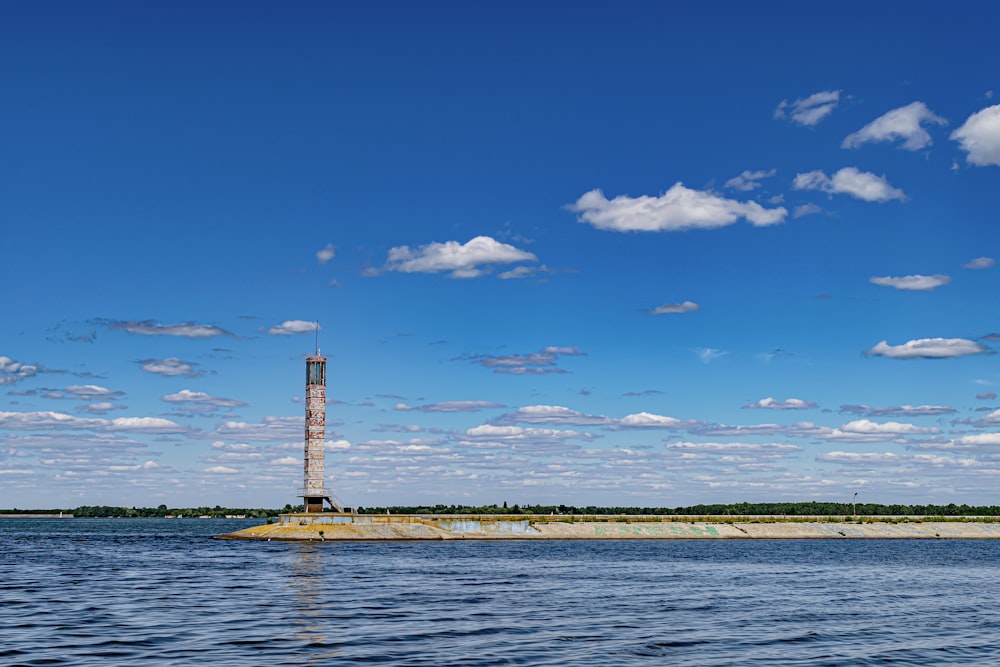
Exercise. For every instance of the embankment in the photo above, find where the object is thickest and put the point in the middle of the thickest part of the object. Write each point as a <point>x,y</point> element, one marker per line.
<point>347,527</point>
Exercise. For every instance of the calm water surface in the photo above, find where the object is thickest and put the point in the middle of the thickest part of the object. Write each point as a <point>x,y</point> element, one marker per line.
<point>162,592</point>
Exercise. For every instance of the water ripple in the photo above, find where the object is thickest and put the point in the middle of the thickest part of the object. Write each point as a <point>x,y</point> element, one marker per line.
<point>76,592</point>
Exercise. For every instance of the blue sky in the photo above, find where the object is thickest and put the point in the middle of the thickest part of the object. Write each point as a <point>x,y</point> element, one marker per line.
<point>585,253</point>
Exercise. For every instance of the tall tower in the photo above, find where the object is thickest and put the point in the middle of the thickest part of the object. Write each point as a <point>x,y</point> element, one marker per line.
<point>314,491</point>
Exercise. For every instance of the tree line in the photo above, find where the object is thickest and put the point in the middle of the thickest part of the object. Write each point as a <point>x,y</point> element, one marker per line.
<point>811,508</point>
<point>162,511</point>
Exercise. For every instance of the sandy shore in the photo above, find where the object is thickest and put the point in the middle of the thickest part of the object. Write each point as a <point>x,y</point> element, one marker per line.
<point>347,527</point>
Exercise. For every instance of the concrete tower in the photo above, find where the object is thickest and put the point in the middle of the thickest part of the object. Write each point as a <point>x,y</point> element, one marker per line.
<point>314,490</point>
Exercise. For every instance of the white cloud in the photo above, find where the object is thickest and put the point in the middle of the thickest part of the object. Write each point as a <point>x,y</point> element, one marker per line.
<point>649,420</point>
<point>914,282</point>
<point>889,458</point>
<point>811,110</point>
<point>859,184</point>
<point>675,308</point>
<point>552,414</point>
<point>38,421</point>
<point>519,272</point>
<point>151,328</point>
<point>979,263</point>
<point>734,447</point>
<point>188,396</point>
<point>291,327</point>
<point>898,410</point>
<point>221,470</point>
<point>100,407</point>
<point>526,439</point>
<point>860,457</point>
<point>14,371</point>
<point>678,209</point>
<point>990,419</point>
<point>928,348</point>
<point>904,123</point>
<point>866,426</point>
<point>748,180</point>
<point>980,439</point>
<point>326,254</point>
<point>89,392</point>
<point>468,260</point>
<point>287,461</point>
<point>805,209</point>
<point>979,137</point>
<point>535,363</point>
<point>789,404</point>
<point>171,367</point>
<point>270,428</point>
<point>450,406</point>
<point>709,354</point>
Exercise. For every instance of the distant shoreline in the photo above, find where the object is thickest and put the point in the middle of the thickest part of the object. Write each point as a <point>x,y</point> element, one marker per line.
<point>37,516</point>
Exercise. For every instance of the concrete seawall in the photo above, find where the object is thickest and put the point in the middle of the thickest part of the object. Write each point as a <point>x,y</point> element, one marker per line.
<point>352,527</point>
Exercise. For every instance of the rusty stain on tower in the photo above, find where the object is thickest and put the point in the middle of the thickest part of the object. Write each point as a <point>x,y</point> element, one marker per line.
<point>314,490</point>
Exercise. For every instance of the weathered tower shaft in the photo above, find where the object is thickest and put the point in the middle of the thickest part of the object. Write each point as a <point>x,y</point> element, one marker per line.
<point>314,490</point>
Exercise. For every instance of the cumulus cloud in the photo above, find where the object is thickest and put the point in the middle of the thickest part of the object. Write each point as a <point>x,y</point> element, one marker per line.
<point>152,328</point>
<point>171,367</point>
<point>91,391</point>
<point>928,348</point>
<point>979,137</point>
<point>14,371</point>
<point>291,327</point>
<point>749,180</point>
<point>43,421</point>
<point>914,282</point>
<point>811,110</point>
<point>450,406</point>
<point>286,461</point>
<point>678,209</point>
<point>525,440</point>
<point>979,440</point>
<point>868,427</point>
<point>675,308</point>
<point>221,470</point>
<point>979,263</point>
<point>326,254</point>
<point>551,414</point>
<point>469,260</point>
<point>788,404</point>
<point>989,420</point>
<point>646,420</point>
<point>535,363</point>
<point>849,180</point>
<point>904,123</point>
<point>200,397</point>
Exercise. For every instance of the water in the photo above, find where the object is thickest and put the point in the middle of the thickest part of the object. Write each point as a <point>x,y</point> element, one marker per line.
<point>161,592</point>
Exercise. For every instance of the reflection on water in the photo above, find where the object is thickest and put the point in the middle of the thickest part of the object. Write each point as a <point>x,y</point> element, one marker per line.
<point>86,592</point>
<point>308,576</point>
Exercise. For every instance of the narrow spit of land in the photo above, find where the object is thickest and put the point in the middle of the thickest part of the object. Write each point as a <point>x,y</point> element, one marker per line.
<point>352,527</point>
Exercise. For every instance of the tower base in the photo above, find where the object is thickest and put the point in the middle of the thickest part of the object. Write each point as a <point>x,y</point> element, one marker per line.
<point>314,504</point>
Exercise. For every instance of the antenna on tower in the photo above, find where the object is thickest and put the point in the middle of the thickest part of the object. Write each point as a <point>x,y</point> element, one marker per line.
<point>317,337</point>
